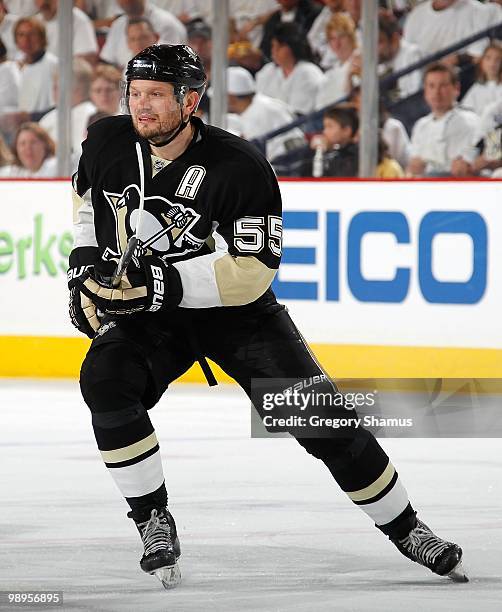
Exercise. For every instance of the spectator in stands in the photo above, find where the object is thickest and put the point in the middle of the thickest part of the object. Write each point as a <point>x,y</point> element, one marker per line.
<point>392,131</point>
<point>82,108</point>
<point>488,86</point>
<point>387,166</point>
<point>34,153</point>
<point>6,156</point>
<point>394,54</point>
<point>140,34</point>
<point>292,77</point>
<point>489,140</point>
<point>37,68</point>
<point>300,12</point>
<point>442,142</point>
<point>170,30</point>
<point>7,23</point>
<point>435,24</point>
<point>83,36</point>
<point>336,83</point>
<point>338,144</point>
<point>105,91</point>
<point>317,33</point>
<point>199,36</point>
<point>9,82</point>
<point>260,114</point>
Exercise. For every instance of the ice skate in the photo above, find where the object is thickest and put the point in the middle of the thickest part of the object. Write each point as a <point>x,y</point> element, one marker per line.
<point>162,547</point>
<point>441,557</point>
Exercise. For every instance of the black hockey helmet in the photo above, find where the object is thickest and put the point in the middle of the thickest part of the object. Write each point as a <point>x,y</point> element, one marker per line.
<point>176,64</point>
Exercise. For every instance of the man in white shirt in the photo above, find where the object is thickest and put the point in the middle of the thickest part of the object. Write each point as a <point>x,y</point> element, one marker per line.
<point>140,34</point>
<point>82,107</point>
<point>84,40</point>
<point>170,30</point>
<point>37,66</point>
<point>442,142</point>
<point>435,24</point>
<point>395,54</point>
<point>260,114</point>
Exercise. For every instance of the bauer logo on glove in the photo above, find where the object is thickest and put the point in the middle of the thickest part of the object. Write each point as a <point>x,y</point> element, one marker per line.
<point>153,286</point>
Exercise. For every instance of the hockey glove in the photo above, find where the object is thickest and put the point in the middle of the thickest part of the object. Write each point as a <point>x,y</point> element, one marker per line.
<point>154,286</point>
<point>82,311</point>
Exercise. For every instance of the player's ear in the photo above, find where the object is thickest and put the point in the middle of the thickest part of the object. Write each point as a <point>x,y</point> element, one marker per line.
<point>191,101</point>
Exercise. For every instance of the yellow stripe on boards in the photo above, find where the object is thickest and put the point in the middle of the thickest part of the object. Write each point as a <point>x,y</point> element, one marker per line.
<point>55,357</point>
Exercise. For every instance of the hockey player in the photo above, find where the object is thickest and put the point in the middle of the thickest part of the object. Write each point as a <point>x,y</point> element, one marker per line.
<point>182,300</point>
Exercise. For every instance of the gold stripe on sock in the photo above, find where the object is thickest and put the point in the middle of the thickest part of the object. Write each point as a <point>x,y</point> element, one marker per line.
<point>131,451</point>
<point>374,488</point>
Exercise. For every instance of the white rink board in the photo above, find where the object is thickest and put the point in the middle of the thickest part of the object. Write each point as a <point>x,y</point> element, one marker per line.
<point>35,237</point>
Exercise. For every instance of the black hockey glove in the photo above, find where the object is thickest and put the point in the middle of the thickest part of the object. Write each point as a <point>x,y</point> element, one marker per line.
<point>83,313</point>
<point>154,286</point>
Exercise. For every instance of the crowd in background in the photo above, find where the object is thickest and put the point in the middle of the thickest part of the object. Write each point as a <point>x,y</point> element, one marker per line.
<point>287,59</point>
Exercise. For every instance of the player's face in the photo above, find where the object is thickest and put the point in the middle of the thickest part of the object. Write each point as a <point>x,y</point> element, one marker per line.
<point>154,110</point>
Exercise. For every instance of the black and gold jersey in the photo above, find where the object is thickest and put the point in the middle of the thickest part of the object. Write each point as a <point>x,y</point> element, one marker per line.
<point>214,212</point>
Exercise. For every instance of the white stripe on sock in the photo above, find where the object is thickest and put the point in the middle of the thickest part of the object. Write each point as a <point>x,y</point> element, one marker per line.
<point>141,478</point>
<point>389,507</point>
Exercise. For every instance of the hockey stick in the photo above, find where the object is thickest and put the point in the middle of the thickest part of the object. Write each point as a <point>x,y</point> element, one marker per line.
<point>133,241</point>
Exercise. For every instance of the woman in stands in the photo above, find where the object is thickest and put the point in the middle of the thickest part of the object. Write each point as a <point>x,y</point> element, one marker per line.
<point>34,153</point>
<point>342,39</point>
<point>488,86</point>
<point>105,92</point>
<point>292,76</point>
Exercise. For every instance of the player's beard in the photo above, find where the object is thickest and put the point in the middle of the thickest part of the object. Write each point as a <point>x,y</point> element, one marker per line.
<point>160,130</point>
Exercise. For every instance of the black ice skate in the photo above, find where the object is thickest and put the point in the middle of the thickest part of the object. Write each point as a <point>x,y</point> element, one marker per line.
<point>423,546</point>
<point>162,547</point>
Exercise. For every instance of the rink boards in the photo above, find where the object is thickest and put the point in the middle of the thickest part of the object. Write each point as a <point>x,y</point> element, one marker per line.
<point>383,278</point>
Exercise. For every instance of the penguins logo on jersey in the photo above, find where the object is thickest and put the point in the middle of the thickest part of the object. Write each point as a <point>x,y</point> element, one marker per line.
<point>165,227</point>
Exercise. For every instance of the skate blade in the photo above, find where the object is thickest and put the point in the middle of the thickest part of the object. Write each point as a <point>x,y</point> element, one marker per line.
<point>169,576</point>
<point>458,574</point>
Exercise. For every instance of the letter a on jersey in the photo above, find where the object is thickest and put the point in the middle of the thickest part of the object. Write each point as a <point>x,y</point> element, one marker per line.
<point>191,182</point>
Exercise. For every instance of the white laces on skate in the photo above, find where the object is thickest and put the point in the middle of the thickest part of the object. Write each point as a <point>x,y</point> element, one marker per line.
<point>156,534</point>
<point>423,544</point>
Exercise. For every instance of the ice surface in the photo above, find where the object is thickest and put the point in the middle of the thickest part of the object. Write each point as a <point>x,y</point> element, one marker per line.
<point>262,524</point>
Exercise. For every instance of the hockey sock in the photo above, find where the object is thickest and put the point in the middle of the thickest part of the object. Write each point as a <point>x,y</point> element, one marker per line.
<point>365,473</point>
<point>129,447</point>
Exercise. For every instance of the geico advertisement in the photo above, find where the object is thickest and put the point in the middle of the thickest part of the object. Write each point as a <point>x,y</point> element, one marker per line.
<point>403,263</point>
<point>363,263</point>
